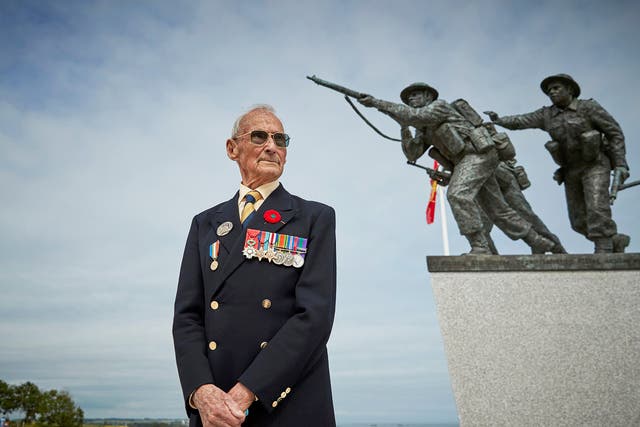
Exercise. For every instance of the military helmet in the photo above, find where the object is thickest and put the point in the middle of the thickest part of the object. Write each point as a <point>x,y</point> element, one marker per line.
<point>404,95</point>
<point>564,78</point>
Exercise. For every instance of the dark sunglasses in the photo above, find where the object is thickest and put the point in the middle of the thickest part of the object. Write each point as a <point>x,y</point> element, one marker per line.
<point>260,137</point>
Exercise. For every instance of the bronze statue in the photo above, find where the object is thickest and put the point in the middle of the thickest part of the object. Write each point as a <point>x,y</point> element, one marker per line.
<point>471,152</point>
<point>511,177</point>
<point>587,144</point>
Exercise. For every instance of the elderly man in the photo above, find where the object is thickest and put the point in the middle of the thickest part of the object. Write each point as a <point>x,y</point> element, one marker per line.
<point>471,152</point>
<point>256,295</point>
<point>587,144</point>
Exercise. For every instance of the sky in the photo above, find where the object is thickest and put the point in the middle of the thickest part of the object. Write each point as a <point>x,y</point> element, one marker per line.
<point>113,121</point>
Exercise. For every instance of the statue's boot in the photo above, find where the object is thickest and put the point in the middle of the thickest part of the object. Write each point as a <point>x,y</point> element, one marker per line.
<point>479,243</point>
<point>492,245</point>
<point>557,248</point>
<point>538,244</point>
<point>603,245</point>
<point>620,242</point>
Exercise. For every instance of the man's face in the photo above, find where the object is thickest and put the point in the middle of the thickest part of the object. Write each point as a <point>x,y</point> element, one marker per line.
<point>259,164</point>
<point>419,98</point>
<point>559,93</point>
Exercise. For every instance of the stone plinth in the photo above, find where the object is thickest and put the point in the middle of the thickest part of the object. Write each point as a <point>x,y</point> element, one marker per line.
<point>541,340</point>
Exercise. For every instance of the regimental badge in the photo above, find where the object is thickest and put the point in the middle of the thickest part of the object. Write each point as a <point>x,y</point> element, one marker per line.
<point>224,228</point>
<point>214,249</point>
<point>281,249</point>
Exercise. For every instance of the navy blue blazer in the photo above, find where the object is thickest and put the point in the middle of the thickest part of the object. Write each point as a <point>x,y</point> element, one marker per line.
<point>262,324</point>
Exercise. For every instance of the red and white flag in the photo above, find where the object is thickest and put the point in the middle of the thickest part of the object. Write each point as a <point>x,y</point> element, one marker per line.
<point>431,206</point>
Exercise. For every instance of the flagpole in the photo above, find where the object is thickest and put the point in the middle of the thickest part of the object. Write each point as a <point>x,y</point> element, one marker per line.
<point>443,215</point>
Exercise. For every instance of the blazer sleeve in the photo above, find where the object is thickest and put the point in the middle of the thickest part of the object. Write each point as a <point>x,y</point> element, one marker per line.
<point>189,338</point>
<point>301,341</point>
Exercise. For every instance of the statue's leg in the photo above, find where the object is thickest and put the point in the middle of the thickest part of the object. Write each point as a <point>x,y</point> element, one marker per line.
<point>509,220</point>
<point>516,199</point>
<point>576,207</point>
<point>600,226</point>
<point>502,215</point>
<point>487,225</point>
<point>469,175</point>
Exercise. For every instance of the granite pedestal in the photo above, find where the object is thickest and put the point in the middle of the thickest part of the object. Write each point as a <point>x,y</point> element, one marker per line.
<point>541,340</point>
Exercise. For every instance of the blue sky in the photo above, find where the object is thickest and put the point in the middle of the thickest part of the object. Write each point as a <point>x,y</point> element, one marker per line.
<point>113,118</point>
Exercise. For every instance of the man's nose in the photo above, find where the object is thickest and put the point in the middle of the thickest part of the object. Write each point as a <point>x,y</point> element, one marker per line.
<point>270,145</point>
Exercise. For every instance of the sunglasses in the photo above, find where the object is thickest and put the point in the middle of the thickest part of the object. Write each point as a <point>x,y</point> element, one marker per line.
<point>260,137</point>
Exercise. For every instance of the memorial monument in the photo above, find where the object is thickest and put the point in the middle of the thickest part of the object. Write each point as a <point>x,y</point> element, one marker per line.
<point>531,340</point>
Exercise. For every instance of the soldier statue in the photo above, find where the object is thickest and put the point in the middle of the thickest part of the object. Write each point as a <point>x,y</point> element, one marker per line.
<point>473,155</point>
<point>587,144</point>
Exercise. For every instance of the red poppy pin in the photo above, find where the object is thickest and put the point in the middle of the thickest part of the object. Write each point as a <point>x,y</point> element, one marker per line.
<point>272,216</point>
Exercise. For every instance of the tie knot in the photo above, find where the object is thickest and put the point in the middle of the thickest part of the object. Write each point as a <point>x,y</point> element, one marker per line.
<point>252,196</point>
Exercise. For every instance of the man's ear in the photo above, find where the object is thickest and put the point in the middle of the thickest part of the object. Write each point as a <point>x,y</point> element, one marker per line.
<point>232,149</point>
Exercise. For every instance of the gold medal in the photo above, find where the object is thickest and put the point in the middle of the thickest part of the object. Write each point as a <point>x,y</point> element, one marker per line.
<point>214,249</point>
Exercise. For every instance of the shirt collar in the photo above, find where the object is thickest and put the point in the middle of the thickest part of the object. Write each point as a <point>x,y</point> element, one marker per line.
<point>573,106</point>
<point>265,190</point>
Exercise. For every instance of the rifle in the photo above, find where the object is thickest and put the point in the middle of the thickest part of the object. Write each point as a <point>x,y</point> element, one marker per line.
<point>343,90</point>
<point>353,94</point>
<point>617,187</point>
<point>441,177</point>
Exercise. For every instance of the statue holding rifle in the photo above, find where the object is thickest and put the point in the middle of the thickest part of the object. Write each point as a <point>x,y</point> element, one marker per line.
<point>587,144</point>
<point>471,151</point>
<point>511,178</point>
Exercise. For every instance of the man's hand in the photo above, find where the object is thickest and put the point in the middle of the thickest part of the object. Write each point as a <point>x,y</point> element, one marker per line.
<point>217,408</point>
<point>624,173</point>
<point>367,100</point>
<point>242,396</point>
<point>492,115</point>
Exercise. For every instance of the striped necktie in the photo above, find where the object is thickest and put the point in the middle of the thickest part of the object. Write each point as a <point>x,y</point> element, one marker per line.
<point>249,209</point>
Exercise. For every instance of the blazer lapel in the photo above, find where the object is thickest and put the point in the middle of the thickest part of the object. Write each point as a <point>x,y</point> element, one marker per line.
<point>228,212</point>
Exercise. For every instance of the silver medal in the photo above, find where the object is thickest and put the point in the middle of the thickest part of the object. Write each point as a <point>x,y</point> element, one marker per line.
<point>279,258</point>
<point>270,254</point>
<point>288,259</point>
<point>249,252</point>
<point>298,260</point>
<point>224,228</point>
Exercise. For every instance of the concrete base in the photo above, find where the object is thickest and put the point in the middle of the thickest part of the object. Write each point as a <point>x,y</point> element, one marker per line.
<point>541,340</point>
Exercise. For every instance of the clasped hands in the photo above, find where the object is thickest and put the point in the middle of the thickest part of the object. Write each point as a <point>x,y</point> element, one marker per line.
<point>220,409</point>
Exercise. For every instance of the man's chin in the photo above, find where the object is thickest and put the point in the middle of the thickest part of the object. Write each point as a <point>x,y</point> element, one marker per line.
<point>272,171</point>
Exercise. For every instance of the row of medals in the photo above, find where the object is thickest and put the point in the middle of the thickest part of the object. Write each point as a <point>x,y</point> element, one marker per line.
<point>277,256</point>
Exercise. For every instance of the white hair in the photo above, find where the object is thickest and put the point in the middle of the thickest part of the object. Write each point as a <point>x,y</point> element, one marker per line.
<point>263,107</point>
